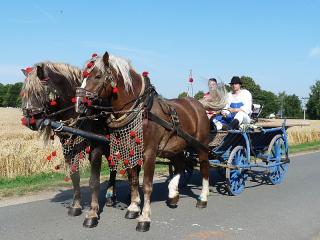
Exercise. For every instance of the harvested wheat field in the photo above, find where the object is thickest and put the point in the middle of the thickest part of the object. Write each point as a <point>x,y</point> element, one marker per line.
<point>23,152</point>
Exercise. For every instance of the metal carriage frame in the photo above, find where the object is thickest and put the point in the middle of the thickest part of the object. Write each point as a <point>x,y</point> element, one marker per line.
<point>251,152</point>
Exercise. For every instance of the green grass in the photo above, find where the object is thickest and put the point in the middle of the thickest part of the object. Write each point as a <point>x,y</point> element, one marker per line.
<point>304,147</point>
<point>45,181</point>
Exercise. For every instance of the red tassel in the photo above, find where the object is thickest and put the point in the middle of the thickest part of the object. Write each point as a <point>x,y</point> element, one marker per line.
<point>49,158</point>
<point>122,171</point>
<point>115,90</point>
<point>145,74</point>
<point>126,162</point>
<point>54,154</point>
<point>74,168</point>
<point>109,158</point>
<point>132,134</point>
<point>137,140</point>
<point>90,64</point>
<point>24,121</point>
<point>80,155</point>
<point>112,163</point>
<point>85,74</point>
<point>94,55</point>
<point>32,121</point>
<point>139,162</point>
<point>29,69</point>
<point>131,154</point>
<point>53,102</point>
<point>74,100</point>
<point>88,150</point>
<point>66,179</point>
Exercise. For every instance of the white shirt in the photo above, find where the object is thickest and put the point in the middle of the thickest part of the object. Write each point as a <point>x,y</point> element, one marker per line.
<point>243,99</point>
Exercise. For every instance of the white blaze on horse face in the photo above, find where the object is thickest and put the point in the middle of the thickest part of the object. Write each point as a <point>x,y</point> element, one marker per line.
<point>173,186</point>
<point>83,85</point>
<point>205,190</point>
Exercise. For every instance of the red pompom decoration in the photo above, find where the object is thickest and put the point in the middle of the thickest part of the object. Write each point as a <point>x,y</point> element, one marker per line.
<point>49,158</point>
<point>115,90</point>
<point>54,154</point>
<point>88,150</point>
<point>74,100</point>
<point>94,55</point>
<point>131,153</point>
<point>85,74</point>
<point>29,69</point>
<point>66,179</point>
<point>109,158</point>
<point>139,162</point>
<point>24,121</point>
<point>80,155</point>
<point>191,80</point>
<point>126,162</point>
<point>74,168</point>
<point>145,74</point>
<point>122,171</point>
<point>32,121</point>
<point>53,102</point>
<point>112,163</point>
<point>90,64</point>
<point>132,134</point>
<point>137,140</point>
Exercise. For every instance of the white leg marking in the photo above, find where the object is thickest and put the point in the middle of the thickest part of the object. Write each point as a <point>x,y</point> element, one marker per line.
<point>134,205</point>
<point>173,186</point>
<point>205,190</point>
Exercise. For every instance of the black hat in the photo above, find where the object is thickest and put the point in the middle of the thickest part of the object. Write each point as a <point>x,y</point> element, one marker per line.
<point>213,79</point>
<point>235,80</point>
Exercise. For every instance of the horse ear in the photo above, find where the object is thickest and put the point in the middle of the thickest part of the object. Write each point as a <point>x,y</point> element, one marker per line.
<point>40,72</point>
<point>25,73</point>
<point>105,58</point>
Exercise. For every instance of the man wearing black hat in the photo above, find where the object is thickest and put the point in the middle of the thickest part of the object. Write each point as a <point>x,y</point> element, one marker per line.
<point>238,108</point>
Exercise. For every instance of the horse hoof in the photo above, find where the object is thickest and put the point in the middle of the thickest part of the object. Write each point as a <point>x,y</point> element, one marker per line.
<point>201,204</point>
<point>132,215</point>
<point>110,201</point>
<point>74,211</point>
<point>90,222</point>
<point>143,226</point>
<point>173,202</point>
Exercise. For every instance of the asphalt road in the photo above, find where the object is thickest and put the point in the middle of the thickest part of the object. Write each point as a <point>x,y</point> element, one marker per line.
<point>287,211</point>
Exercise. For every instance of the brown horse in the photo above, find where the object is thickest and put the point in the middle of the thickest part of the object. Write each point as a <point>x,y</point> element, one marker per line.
<point>112,78</point>
<point>48,93</point>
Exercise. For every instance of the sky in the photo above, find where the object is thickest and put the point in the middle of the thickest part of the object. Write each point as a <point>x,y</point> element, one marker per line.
<point>277,43</point>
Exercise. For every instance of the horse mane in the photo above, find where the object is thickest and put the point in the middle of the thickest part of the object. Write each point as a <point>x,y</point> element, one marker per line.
<point>33,86</point>
<point>122,67</point>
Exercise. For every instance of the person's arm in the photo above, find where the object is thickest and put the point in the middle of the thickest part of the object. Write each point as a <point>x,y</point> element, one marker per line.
<point>247,103</point>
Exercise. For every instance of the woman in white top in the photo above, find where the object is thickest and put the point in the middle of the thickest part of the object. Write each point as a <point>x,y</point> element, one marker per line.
<point>238,108</point>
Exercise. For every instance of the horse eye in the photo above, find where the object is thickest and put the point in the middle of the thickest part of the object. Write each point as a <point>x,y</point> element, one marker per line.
<point>98,76</point>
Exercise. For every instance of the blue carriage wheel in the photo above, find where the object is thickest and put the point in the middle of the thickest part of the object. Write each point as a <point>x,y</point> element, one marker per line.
<point>277,153</point>
<point>235,177</point>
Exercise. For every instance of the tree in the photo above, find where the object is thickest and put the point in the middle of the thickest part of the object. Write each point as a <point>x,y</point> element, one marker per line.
<point>292,106</point>
<point>313,104</point>
<point>183,94</point>
<point>10,95</point>
<point>199,95</point>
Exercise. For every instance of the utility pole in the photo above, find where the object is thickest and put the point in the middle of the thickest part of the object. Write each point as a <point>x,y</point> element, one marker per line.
<point>304,99</point>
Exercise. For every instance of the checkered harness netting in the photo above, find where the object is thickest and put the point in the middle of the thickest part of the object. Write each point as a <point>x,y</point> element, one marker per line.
<point>126,145</point>
<point>74,153</point>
